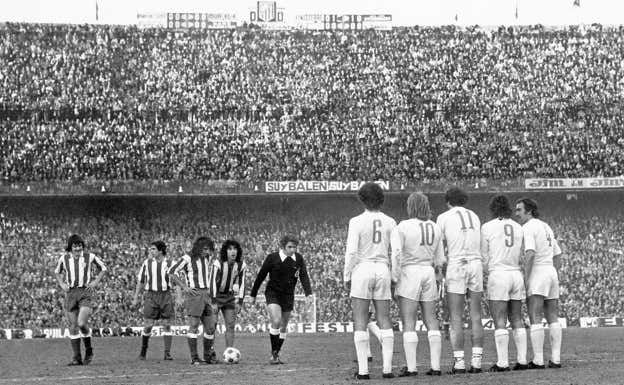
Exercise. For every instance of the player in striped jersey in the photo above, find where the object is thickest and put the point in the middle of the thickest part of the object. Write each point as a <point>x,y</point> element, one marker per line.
<point>197,301</point>
<point>367,276</point>
<point>461,230</point>
<point>501,248</point>
<point>227,282</point>
<point>542,262</point>
<point>416,249</point>
<point>158,302</point>
<point>73,273</point>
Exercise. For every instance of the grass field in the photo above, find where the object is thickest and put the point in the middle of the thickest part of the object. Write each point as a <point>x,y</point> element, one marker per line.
<point>589,356</point>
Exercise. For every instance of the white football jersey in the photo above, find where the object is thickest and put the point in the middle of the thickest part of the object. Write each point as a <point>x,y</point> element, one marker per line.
<point>416,242</point>
<point>461,229</point>
<point>539,237</point>
<point>368,240</point>
<point>501,244</point>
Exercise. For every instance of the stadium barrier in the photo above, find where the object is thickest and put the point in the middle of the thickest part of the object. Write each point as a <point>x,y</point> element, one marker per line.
<point>601,322</point>
<point>299,327</point>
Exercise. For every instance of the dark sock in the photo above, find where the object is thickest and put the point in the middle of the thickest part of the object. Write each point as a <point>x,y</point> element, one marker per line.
<point>274,342</point>
<point>75,344</point>
<point>207,347</point>
<point>192,343</point>
<point>280,343</point>
<point>145,342</point>
<point>87,343</point>
<point>168,340</point>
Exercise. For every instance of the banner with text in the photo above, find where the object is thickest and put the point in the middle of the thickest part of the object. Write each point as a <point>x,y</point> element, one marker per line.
<point>573,183</point>
<point>601,322</point>
<point>317,186</point>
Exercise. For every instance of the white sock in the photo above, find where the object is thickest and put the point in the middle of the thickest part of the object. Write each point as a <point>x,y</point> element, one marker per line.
<point>387,349</point>
<point>501,337</point>
<point>374,328</point>
<point>555,342</point>
<point>537,341</point>
<point>368,348</point>
<point>410,345</point>
<point>477,354</point>
<point>459,359</point>
<point>360,339</point>
<point>520,339</point>
<point>435,348</point>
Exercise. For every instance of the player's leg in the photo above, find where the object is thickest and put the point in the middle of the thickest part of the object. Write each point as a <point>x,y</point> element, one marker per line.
<point>551,312</point>
<point>498,310</point>
<point>373,329</point>
<point>456,313</point>
<point>359,308</point>
<point>191,338</point>
<point>382,310</point>
<point>74,336</point>
<point>284,326</point>
<point>519,333</point>
<point>434,336</point>
<point>148,324</point>
<point>229,318</point>
<point>85,332</point>
<point>476,329</point>
<point>208,322</point>
<point>167,337</point>
<point>536,309</point>
<point>408,309</point>
<point>275,316</point>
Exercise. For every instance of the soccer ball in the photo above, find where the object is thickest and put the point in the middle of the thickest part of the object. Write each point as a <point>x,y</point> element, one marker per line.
<point>231,356</point>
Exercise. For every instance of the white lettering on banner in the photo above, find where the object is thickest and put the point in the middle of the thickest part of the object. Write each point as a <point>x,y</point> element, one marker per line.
<point>574,183</point>
<point>597,322</point>
<point>317,186</point>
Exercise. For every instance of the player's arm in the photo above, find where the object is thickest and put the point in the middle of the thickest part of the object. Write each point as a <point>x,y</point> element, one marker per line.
<point>241,285</point>
<point>264,271</point>
<point>97,262</point>
<point>175,277</point>
<point>139,286</point>
<point>557,255</point>
<point>58,274</point>
<point>350,253</point>
<point>485,249</point>
<point>305,278</point>
<point>443,244</point>
<point>529,251</point>
<point>396,245</point>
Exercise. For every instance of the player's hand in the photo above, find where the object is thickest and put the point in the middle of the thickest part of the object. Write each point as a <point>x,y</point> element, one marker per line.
<point>190,291</point>
<point>91,286</point>
<point>64,286</point>
<point>253,300</point>
<point>347,285</point>
<point>237,307</point>
<point>309,300</point>
<point>135,301</point>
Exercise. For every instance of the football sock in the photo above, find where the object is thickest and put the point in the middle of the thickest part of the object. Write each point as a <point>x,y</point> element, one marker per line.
<point>368,347</point>
<point>191,338</point>
<point>145,339</point>
<point>86,338</point>
<point>458,355</point>
<point>477,354</point>
<point>435,348</point>
<point>555,342</point>
<point>387,349</point>
<point>520,339</point>
<point>374,328</point>
<point>208,341</point>
<point>410,345</point>
<point>274,334</point>
<point>501,337</point>
<point>168,338</point>
<point>360,339</point>
<point>537,341</point>
<point>75,344</point>
<point>282,337</point>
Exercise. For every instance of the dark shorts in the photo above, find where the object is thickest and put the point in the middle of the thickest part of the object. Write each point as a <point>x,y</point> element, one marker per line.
<point>286,301</point>
<point>199,305</point>
<point>78,297</point>
<point>225,301</point>
<point>158,305</point>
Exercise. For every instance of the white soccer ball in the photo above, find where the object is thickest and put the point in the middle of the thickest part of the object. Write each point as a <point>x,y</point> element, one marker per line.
<point>231,356</point>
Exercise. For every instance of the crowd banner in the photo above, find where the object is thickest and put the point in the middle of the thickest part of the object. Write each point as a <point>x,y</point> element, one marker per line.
<point>573,183</point>
<point>300,327</point>
<point>601,322</point>
<point>303,186</point>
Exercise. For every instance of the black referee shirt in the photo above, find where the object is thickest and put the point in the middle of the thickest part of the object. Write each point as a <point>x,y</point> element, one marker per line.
<point>283,275</point>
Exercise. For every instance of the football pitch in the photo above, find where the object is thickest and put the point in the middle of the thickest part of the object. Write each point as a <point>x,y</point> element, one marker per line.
<point>589,356</point>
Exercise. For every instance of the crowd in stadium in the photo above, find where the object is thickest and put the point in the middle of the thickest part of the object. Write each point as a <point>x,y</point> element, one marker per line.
<point>32,241</point>
<point>87,103</point>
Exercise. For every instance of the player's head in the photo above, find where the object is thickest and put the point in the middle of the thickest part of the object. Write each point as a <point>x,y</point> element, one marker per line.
<point>231,250</point>
<point>288,243</point>
<point>75,243</point>
<point>418,206</point>
<point>157,249</point>
<point>202,247</point>
<point>500,207</point>
<point>456,197</point>
<point>371,195</point>
<point>526,208</point>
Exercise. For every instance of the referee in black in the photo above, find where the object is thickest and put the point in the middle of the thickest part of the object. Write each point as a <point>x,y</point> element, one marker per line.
<point>284,268</point>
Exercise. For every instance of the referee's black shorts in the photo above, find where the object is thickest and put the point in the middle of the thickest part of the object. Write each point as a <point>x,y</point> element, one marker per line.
<point>286,301</point>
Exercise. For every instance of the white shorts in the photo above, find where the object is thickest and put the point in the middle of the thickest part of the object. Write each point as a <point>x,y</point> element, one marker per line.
<point>418,283</point>
<point>461,277</point>
<point>506,285</point>
<point>543,281</point>
<point>371,280</point>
